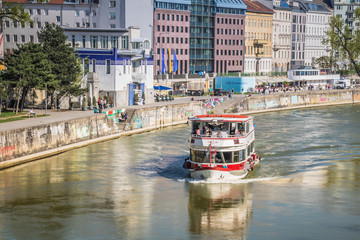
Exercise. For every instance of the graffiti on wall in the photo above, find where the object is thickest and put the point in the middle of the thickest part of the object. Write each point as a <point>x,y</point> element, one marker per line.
<point>211,103</point>
<point>7,151</point>
<point>294,100</point>
<point>271,103</point>
<point>334,98</point>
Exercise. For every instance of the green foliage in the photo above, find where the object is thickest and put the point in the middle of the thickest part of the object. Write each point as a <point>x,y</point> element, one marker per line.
<point>27,68</point>
<point>65,65</point>
<point>14,12</point>
<point>94,101</point>
<point>324,62</point>
<point>344,42</point>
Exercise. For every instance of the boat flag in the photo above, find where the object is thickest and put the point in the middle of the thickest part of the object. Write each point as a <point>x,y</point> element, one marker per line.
<point>175,62</point>
<point>163,67</point>
<point>170,65</point>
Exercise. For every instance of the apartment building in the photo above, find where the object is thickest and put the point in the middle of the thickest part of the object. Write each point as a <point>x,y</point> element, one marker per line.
<point>259,37</point>
<point>206,35</point>
<point>282,37</point>
<point>111,14</point>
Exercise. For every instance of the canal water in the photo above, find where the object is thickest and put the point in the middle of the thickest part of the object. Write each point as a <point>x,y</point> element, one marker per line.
<point>307,186</point>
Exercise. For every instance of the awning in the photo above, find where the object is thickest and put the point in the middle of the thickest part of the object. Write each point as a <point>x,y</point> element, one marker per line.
<point>162,88</point>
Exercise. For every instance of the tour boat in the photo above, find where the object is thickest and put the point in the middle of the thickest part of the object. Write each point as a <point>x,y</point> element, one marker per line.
<point>221,147</point>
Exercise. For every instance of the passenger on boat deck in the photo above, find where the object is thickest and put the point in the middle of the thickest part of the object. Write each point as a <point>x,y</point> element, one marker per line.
<point>218,133</point>
<point>207,131</point>
<point>237,134</point>
<point>198,132</point>
<point>242,132</point>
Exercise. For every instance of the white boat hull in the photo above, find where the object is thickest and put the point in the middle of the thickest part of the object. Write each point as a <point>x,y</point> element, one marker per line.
<point>218,175</point>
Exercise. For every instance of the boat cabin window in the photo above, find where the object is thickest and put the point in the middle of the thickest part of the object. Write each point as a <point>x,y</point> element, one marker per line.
<point>210,128</point>
<point>247,127</point>
<point>203,156</point>
<point>195,126</point>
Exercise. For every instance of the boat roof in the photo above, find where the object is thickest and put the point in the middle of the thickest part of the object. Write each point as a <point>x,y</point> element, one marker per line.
<point>222,117</point>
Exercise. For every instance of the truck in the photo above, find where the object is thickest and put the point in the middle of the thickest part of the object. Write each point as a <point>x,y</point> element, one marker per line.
<point>342,84</point>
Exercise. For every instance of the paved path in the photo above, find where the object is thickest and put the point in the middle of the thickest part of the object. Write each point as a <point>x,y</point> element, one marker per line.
<point>58,116</point>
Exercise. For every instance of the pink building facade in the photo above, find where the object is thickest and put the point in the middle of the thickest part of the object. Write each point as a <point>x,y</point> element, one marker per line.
<point>171,31</point>
<point>229,43</point>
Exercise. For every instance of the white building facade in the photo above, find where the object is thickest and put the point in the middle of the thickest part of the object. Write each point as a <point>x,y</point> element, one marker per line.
<point>110,14</point>
<point>282,37</point>
<point>317,24</point>
<point>112,67</point>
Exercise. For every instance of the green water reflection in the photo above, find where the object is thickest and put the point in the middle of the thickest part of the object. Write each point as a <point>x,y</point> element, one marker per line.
<point>307,187</point>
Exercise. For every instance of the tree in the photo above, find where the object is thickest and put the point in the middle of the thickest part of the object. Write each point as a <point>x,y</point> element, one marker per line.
<point>344,41</point>
<point>325,62</point>
<point>14,12</point>
<point>27,68</point>
<point>65,65</point>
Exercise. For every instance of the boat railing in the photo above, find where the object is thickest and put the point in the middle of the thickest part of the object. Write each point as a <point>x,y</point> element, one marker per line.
<point>222,135</point>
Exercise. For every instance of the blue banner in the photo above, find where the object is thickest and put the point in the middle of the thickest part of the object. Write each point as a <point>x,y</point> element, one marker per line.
<point>163,67</point>
<point>175,62</point>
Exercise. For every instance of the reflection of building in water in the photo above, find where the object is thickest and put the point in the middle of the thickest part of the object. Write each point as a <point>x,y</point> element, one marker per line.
<point>219,207</point>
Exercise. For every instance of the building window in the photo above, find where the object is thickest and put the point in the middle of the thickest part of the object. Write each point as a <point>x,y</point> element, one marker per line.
<point>22,38</point>
<point>104,42</point>
<point>7,37</point>
<point>58,18</point>
<point>112,4</point>
<point>38,11</point>
<point>83,41</point>
<point>112,25</point>
<point>77,24</point>
<point>87,13</point>
<point>7,24</point>
<point>114,42</point>
<point>158,16</point>
<point>77,13</point>
<point>94,41</point>
<point>73,40</point>
<point>15,38</point>
<point>108,64</point>
<point>31,38</point>
<point>39,24</point>
<point>46,12</point>
<point>15,24</point>
<point>112,15</point>
<point>31,12</point>
<point>124,42</point>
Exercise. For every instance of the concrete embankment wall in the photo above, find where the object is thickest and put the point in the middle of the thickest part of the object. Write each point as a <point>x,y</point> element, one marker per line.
<point>271,102</point>
<point>27,144</point>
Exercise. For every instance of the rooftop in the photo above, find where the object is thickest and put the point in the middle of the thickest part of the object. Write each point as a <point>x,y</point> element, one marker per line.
<point>239,4</point>
<point>254,6</point>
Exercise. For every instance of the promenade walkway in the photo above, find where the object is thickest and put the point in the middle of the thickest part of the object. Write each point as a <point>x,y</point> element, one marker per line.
<point>63,115</point>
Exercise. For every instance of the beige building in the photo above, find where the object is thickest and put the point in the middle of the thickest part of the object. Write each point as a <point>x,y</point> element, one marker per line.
<point>258,38</point>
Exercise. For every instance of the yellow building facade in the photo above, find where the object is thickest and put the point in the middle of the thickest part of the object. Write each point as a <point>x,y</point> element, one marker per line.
<point>258,38</point>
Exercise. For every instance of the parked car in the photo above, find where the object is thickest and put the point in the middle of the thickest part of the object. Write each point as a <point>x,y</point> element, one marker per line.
<point>221,92</point>
<point>195,92</point>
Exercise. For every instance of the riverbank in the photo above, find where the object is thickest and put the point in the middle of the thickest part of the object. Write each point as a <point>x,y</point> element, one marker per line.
<point>45,138</point>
